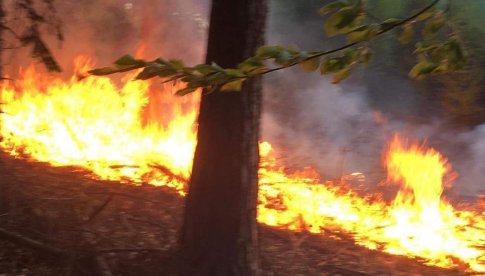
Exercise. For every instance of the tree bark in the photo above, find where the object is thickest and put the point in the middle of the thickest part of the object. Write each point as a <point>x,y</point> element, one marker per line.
<point>219,232</point>
<point>3,197</point>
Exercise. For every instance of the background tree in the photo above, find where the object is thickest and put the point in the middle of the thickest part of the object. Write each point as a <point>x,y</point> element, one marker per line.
<point>22,28</point>
<point>3,198</point>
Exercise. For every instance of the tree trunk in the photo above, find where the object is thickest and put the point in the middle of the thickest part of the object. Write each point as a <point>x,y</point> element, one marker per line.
<point>3,197</point>
<point>219,232</point>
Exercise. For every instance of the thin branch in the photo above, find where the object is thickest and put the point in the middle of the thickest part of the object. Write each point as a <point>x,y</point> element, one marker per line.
<point>125,250</point>
<point>383,31</point>
<point>99,209</point>
<point>122,195</point>
<point>12,32</point>
<point>169,173</point>
<point>25,241</point>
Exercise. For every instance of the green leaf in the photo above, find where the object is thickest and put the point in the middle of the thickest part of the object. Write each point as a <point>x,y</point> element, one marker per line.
<point>217,78</point>
<point>425,46</point>
<point>422,68</point>
<point>427,14</point>
<point>283,58</point>
<point>153,71</point>
<point>323,68</point>
<point>111,70</point>
<point>357,36</point>
<point>185,91</point>
<point>176,64</point>
<point>364,32</point>
<point>331,65</point>
<point>332,7</point>
<point>205,69</point>
<point>161,61</point>
<point>103,71</point>
<point>217,67</point>
<point>234,73</point>
<point>252,66</point>
<point>233,86</point>
<point>388,23</point>
<point>350,55</point>
<point>342,21</point>
<point>433,25</point>
<point>456,55</point>
<point>269,51</point>
<point>341,75</point>
<point>407,34</point>
<point>438,54</point>
<point>128,60</point>
<point>311,64</point>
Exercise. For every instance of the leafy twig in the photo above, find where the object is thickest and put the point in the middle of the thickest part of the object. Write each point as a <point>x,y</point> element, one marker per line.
<point>346,19</point>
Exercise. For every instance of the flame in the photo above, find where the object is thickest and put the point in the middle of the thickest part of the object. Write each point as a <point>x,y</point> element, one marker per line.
<point>113,132</point>
<point>423,223</point>
<point>141,133</point>
<point>418,222</point>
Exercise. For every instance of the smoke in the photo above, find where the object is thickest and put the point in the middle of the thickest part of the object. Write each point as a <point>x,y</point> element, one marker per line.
<point>106,30</point>
<point>341,129</point>
<point>337,129</point>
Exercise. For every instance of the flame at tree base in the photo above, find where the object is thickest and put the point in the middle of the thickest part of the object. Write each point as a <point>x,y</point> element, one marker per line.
<point>141,134</point>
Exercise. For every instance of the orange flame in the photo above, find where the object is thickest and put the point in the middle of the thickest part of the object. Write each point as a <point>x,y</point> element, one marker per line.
<point>144,134</point>
<point>92,123</point>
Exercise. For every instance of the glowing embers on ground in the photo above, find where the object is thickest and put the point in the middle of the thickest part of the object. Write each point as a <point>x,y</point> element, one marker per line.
<point>418,222</point>
<point>128,134</point>
<point>143,134</point>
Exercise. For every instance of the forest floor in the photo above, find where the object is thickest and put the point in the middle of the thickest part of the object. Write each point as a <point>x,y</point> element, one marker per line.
<point>61,221</point>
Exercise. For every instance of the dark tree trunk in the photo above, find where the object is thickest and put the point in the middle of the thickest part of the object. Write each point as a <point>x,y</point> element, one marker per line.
<point>3,198</point>
<point>219,232</point>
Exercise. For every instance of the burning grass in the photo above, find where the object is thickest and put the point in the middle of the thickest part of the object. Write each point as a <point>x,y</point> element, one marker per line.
<point>141,134</point>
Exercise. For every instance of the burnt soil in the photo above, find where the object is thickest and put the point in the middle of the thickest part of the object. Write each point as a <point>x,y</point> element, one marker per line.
<point>61,221</point>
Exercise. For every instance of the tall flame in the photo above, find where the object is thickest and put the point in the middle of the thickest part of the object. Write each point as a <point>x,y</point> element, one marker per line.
<point>91,123</point>
<point>142,134</point>
<point>418,222</point>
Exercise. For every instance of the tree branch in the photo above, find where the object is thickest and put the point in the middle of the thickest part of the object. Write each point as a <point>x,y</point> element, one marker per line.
<point>25,241</point>
<point>383,31</point>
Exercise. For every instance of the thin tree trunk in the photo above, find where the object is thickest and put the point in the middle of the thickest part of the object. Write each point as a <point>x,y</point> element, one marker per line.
<point>3,198</point>
<point>219,231</point>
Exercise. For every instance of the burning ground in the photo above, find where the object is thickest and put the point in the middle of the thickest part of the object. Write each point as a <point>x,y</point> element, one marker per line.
<point>140,134</point>
<point>132,231</point>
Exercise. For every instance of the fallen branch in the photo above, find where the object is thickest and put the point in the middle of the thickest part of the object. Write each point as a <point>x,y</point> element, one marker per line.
<point>169,173</point>
<point>334,270</point>
<point>124,166</point>
<point>99,209</point>
<point>71,257</point>
<point>122,250</point>
<point>122,195</point>
<point>28,242</point>
<point>147,222</point>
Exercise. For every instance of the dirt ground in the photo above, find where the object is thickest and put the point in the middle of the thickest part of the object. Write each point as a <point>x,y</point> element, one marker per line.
<point>61,221</point>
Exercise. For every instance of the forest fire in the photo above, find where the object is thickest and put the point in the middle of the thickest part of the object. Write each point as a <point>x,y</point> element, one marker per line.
<point>91,123</point>
<point>143,134</point>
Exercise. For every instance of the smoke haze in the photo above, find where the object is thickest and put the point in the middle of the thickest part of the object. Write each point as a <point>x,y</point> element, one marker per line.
<point>338,129</point>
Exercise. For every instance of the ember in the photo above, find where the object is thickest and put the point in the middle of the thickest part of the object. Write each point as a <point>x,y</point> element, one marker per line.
<point>143,134</point>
